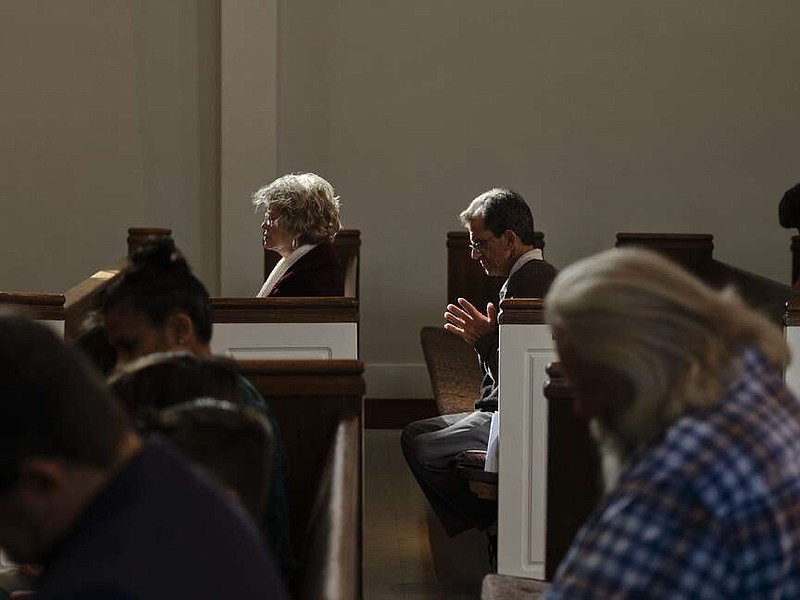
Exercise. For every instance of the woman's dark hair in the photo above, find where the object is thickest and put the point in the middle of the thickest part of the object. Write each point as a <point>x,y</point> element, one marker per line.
<point>158,284</point>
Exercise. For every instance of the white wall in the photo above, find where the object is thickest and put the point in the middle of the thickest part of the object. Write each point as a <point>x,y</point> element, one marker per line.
<point>108,119</point>
<point>616,116</point>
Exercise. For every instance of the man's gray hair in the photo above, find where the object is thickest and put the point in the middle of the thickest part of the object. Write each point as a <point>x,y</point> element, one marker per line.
<point>501,210</point>
<point>306,206</point>
<point>641,318</point>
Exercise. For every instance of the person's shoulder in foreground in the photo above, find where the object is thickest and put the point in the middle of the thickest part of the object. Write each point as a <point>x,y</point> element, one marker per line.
<point>684,388</point>
<point>159,530</point>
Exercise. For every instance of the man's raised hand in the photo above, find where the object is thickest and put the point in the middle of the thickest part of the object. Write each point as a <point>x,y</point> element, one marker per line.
<point>468,322</point>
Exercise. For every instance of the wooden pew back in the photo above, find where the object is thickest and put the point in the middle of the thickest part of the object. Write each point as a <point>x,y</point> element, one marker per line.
<point>526,348</point>
<point>285,328</point>
<point>65,312</point>
<point>574,477</point>
<point>695,253</point>
<point>331,568</point>
<point>309,399</point>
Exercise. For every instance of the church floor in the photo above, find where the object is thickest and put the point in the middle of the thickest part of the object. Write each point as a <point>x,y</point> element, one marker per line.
<point>399,533</point>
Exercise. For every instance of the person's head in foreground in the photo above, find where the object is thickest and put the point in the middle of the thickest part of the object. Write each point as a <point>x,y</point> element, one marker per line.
<point>192,402</point>
<point>163,379</point>
<point>231,444</point>
<point>107,515</point>
<point>298,209</point>
<point>500,226</point>
<point>683,385</point>
<point>62,437</point>
<point>158,305</point>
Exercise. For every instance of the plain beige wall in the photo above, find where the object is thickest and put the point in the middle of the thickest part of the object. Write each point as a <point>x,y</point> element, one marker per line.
<point>617,116</point>
<point>109,119</point>
<point>614,116</point>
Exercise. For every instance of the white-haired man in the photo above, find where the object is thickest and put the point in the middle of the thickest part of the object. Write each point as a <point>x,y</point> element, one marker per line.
<point>683,384</point>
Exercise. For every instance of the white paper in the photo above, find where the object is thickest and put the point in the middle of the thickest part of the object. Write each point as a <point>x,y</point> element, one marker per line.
<point>494,444</point>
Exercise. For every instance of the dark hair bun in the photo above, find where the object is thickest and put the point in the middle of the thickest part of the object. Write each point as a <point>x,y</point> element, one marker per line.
<point>159,253</point>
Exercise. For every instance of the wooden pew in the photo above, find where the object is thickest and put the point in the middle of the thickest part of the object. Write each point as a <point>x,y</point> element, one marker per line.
<point>574,487</point>
<point>695,253</point>
<point>285,328</point>
<point>244,327</point>
<point>574,477</point>
<point>310,400</point>
<point>66,312</point>
<point>331,568</point>
<point>526,348</point>
<point>348,247</point>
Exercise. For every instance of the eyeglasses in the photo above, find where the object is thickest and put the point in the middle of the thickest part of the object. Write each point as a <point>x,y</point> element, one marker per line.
<point>478,245</point>
<point>270,221</point>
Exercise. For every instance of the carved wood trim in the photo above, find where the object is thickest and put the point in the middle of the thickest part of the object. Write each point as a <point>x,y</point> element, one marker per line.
<point>284,310</point>
<point>522,311</point>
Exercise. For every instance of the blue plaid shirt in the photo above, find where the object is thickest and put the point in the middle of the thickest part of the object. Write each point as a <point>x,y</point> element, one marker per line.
<point>710,510</point>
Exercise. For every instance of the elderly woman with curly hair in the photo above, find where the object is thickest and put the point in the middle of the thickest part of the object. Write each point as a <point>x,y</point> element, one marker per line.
<point>301,219</point>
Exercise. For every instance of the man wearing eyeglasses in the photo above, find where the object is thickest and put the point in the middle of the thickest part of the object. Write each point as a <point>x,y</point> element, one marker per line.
<point>501,232</point>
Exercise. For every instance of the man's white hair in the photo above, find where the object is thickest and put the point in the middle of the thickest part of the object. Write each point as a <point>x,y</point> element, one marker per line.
<point>639,317</point>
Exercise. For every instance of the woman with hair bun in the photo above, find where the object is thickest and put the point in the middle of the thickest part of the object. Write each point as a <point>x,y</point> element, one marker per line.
<point>301,219</point>
<point>158,305</point>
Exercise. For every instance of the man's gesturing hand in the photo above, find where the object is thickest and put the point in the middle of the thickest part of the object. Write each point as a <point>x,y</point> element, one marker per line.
<point>468,322</point>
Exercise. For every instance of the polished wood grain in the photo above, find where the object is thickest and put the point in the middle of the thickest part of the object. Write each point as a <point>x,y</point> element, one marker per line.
<point>522,311</point>
<point>695,253</point>
<point>309,398</point>
<point>574,481</point>
<point>284,310</point>
<point>331,566</point>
